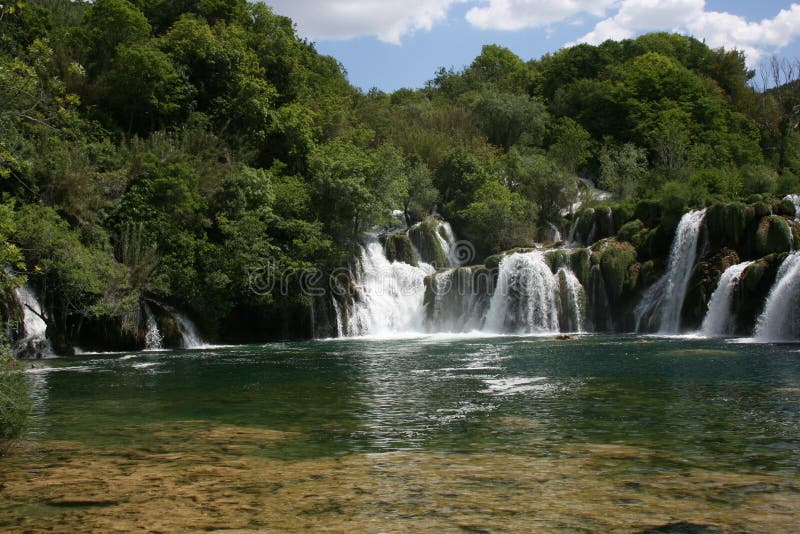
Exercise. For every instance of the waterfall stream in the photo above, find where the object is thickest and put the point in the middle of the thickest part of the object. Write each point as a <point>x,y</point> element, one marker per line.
<point>528,297</point>
<point>190,336</point>
<point>34,343</point>
<point>152,339</point>
<point>796,200</point>
<point>719,320</point>
<point>780,320</point>
<point>660,308</point>
<point>389,295</point>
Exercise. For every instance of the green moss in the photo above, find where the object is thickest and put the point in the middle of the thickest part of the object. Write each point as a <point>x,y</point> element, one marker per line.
<point>619,268</point>
<point>424,237</point>
<point>774,235</point>
<point>648,211</point>
<point>727,224</point>
<point>756,282</point>
<point>398,247</point>
<point>783,206</point>
<point>762,209</point>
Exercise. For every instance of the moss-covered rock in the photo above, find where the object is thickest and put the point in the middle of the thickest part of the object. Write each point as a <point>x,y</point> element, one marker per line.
<point>727,224</point>
<point>398,247</point>
<point>756,282</point>
<point>619,268</point>
<point>774,235</point>
<point>762,209</point>
<point>428,243</point>
<point>783,206</point>
<point>702,284</point>
<point>648,211</point>
<point>604,222</point>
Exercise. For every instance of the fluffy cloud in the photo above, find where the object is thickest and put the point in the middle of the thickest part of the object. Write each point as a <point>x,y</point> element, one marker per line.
<point>388,20</point>
<point>519,14</point>
<point>756,39</point>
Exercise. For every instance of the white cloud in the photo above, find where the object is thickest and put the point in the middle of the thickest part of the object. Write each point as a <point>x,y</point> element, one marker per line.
<point>718,29</point>
<point>519,14</point>
<point>388,20</point>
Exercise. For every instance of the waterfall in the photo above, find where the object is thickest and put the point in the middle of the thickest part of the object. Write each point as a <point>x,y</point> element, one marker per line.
<point>34,342</point>
<point>555,233</point>
<point>459,300</point>
<point>526,297</point>
<point>389,295</point>
<point>338,310</point>
<point>152,339</point>
<point>446,237</point>
<point>796,200</point>
<point>190,336</point>
<point>719,320</point>
<point>572,313</point>
<point>780,320</point>
<point>660,308</point>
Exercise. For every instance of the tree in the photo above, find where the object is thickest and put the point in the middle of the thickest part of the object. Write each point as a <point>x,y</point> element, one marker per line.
<point>498,219</point>
<point>780,106</point>
<point>109,24</point>
<point>146,90</point>
<point>508,118</point>
<point>571,145</point>
<point>421,195</point>
<point>623,169</point>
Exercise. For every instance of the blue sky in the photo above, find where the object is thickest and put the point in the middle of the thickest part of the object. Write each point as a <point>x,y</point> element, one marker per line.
<point>391,44</point>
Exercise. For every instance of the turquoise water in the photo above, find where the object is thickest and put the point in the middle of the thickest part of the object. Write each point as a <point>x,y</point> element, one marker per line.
<point>726,405</point>
<point>473,434</point>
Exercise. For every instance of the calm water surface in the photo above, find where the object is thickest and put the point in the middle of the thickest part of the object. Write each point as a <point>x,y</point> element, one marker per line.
<point>664,407</point>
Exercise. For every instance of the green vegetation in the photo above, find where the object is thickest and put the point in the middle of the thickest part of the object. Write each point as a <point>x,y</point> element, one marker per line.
<point>15,402</point>
<point>166,151</point>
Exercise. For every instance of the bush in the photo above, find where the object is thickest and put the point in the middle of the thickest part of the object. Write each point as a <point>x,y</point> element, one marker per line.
<point>15,402</point>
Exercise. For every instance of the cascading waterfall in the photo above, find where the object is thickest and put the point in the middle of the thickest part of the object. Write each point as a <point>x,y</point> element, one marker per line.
<point>459,301</point>
<point>446,237</point>
<point>190,336</point>
<point>572,305</point>
<point>339,322</point>
<point>660,308</point>
<point>780,320</point>
<point>796,200</point>
<point>34,342</point>
<point>719,320</point>
<point>555,233</point>
<point>389,295</point>
<point>528,296</point>
<point>152,338</point>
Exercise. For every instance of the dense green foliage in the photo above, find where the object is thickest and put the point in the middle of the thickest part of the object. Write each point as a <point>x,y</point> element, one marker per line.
<point>167,150</point>
<point>15,402</point>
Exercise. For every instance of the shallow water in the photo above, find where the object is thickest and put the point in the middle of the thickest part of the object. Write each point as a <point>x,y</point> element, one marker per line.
<point>474,433</point>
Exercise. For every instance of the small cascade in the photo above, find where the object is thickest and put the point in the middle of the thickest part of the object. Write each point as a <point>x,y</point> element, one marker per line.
<point>34,342</point>
<point>719,320</point>
<point>529,298</point>
<point>780,320</point>
<point>389,295</point>
<point>555,233</point>
<point>459,300</point>
<point>796,200</point>
<point>190,336</point>
<point>660,308</point>
<point>572,305</point>
<point>446,237</point>
<point>339,322</point>
<point>152,338</point>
